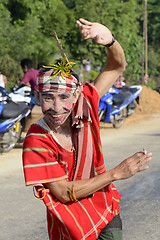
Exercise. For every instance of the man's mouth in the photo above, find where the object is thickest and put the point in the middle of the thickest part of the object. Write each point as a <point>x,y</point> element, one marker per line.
<point>58,117</point>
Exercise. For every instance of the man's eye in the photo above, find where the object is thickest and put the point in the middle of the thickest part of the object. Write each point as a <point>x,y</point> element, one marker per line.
<point>65,96</point>
<point>47,98</point>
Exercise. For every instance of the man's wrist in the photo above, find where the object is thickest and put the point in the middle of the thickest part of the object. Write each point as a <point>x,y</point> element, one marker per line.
<point>113,40</point>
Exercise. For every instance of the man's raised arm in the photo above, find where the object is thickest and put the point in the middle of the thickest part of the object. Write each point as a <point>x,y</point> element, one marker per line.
<point>115,59</point>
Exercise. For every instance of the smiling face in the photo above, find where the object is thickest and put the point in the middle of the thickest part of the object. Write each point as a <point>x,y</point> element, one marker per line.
<point>57,106</point>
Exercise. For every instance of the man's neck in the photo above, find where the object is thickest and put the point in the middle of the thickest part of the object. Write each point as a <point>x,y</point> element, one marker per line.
<point>61,129</point>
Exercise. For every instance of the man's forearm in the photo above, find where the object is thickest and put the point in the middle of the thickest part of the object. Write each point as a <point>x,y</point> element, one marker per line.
<point>82,188</point>
<point>114,67</point>
<point>115,58</point>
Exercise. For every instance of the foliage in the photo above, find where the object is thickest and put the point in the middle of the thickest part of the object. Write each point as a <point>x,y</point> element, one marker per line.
<point>26,26</point>
<point>11,69</point>
<point>154,41</point>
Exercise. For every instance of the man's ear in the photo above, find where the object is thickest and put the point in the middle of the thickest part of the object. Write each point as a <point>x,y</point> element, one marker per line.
<point>76,95</point>
<point>36,95</point>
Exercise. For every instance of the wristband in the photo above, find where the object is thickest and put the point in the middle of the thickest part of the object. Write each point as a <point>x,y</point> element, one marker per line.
<point>110,44</point>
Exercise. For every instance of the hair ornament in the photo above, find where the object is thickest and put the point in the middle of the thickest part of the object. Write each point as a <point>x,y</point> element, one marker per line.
<point>63,67</point>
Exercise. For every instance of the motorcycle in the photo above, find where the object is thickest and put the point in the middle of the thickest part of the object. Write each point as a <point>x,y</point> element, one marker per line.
<point>21,93</point>
<point>13,117</point>
<point>118,104</point>
<point>25,92</point>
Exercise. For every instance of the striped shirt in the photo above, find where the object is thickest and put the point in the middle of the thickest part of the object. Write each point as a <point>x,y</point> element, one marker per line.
<point>45,160</point>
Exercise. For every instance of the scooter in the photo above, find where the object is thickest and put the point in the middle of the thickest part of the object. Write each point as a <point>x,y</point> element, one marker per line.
<point>118,104</point>
<point>13,117</point>
<point>25,92</point>
<point>21,93</point>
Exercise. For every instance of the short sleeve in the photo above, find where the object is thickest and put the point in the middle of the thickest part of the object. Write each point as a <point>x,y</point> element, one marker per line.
<point>26,77</point>
<point>40,158</point>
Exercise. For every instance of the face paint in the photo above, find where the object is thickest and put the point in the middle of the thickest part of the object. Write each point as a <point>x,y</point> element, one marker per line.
<point>57,107</point>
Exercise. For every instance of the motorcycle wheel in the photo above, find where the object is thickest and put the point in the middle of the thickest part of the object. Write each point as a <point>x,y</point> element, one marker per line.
<point>101,115</point>
<point>117,123</point>
<point>13,136</point>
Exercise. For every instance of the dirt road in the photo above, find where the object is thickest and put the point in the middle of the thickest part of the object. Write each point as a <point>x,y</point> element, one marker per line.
<point>23,216</point>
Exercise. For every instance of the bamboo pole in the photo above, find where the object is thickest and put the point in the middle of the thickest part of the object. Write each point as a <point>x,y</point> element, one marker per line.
<point>146,40</point>
<point>145,77</point>
<point>143,48</point>
<point>59,44</point>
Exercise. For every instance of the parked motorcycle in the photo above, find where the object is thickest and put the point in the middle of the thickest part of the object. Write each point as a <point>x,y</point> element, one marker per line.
<point>118,104</point>
<point>21,93</point>
<point>13,117</point>
<point>25,92</point>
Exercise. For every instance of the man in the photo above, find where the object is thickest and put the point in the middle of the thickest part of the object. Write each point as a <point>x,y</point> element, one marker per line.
<point>62,153</point>
<point>30,77</point>
<point>119,82</point>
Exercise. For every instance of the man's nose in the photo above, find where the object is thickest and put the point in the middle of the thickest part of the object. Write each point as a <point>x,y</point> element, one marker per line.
<point>57,106</point>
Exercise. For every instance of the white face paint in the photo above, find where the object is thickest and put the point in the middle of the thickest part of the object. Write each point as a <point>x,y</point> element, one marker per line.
<point>57,106</point>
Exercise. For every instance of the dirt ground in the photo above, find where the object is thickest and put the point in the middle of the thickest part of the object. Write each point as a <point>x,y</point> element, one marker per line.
<point>140,202</point>
<point>149,104</point>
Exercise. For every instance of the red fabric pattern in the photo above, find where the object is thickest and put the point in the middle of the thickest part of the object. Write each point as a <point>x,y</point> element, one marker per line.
<point>87,217</point>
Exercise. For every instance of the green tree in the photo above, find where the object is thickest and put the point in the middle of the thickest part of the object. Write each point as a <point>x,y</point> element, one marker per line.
<point>122,18</point>
<point>27,32</point>
<point>8,65</point>
<point>154,41</point>
<point>26,27</point>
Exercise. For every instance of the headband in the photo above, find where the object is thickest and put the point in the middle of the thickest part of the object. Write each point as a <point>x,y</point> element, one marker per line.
<point>46,82</point>
<point>58,77</point>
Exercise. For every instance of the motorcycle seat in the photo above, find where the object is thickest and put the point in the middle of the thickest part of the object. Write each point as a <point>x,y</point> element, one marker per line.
<point>120,98</point>
<point>12,109</point>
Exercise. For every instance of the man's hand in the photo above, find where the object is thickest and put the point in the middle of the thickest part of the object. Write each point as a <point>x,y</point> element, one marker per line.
<point>132,165</point>
<point>115,63</point>
<point>96,31</point>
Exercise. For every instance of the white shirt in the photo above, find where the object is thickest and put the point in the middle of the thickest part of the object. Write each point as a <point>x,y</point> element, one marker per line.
<point>2,84</point>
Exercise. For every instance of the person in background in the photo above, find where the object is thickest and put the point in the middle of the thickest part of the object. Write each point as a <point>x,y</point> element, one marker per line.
<point>119,82</point>
<point>3,80</point>
<point>30,74</point>
<point>30,77</point>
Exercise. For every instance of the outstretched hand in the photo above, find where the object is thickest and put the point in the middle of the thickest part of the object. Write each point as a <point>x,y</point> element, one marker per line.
<point>132,165</point>
<point>96,31</point>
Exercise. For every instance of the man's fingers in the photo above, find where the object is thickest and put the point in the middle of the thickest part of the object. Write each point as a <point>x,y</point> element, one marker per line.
<point>144,161</point>
<point>141,169</point>
<point>85,22</point>
<point>84,29</point>
<point>140,156</point>
<point>140,165</point>
<point>79,24</point>
<point>86,35</point>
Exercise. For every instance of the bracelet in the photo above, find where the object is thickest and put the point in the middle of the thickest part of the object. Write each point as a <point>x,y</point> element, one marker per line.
<point>110,44</point>
<point>44,190</point>
<point>72,194</point>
